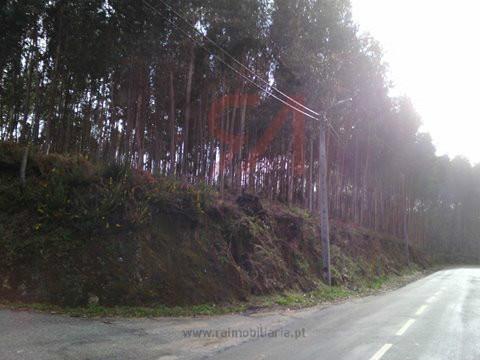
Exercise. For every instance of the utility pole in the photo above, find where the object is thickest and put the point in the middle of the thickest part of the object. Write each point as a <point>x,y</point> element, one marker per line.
<point>323,192</point>
<point>323,201</point>
<point>405,220</point>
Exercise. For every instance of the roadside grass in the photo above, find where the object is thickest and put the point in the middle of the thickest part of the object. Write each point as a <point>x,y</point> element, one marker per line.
<point>321,295</point>
<point>378,282</point>
<point>288,300</point>
<point>93,311</point>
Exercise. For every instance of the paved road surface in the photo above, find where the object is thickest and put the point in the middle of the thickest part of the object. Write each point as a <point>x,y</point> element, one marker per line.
<point>437,317</point>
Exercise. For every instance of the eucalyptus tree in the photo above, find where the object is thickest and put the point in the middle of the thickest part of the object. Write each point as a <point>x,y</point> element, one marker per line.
<point>133,82</point>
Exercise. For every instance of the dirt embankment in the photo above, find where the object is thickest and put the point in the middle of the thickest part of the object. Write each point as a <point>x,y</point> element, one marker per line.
<point>78,231</point>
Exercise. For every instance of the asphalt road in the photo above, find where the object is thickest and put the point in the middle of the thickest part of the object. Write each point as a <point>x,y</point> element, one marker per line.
<point>437,317</point>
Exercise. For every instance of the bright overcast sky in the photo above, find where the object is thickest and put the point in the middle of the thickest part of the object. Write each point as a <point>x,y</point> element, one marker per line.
<point>433,50</point>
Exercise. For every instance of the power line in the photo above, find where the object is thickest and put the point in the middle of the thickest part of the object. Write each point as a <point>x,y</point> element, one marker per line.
<point>332,129</point>
<point>155,10</point>
<point>228,54</point>
<point>232,68</point>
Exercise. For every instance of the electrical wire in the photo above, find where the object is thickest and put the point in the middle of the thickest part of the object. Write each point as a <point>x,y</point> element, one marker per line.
<point>229,55</point>
<point>233,69</point>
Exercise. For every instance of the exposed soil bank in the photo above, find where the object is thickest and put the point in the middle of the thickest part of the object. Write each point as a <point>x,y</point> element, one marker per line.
<point>78,233</point>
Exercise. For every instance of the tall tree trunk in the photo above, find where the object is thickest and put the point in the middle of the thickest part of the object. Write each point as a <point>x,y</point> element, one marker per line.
<point>188,100</point>
<point>173,131</point>
<point>241,141</point>
<point>310,176</point>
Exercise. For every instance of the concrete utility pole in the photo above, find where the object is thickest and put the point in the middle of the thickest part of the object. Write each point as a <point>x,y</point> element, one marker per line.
<point>405,220</point>
<point>323,201</point>
<point>323,192</point>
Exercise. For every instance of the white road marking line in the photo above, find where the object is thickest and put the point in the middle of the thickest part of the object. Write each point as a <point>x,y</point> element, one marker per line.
<point>431,299</point>
<point>421,310</point>
<point>405,327</point>
<point>378,355</point>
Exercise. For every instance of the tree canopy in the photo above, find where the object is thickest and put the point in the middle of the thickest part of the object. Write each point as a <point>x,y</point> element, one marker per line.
<point>132,82</point>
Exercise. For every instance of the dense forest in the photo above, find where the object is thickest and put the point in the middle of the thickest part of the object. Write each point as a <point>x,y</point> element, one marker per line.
<point>219,92</point>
